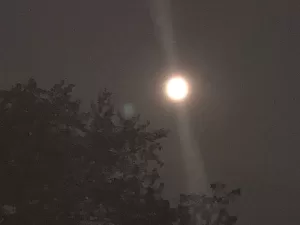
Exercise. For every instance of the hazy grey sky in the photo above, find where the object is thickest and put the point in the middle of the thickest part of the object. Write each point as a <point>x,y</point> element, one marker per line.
<point>243,54</point>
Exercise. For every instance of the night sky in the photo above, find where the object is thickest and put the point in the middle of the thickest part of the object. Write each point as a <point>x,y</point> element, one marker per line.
<point>243,54</point>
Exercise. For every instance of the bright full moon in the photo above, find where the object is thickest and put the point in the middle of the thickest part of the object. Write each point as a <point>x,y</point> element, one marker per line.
<point>177,88</point>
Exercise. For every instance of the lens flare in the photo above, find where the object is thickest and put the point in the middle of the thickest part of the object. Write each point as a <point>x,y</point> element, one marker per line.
<point>177,88</point>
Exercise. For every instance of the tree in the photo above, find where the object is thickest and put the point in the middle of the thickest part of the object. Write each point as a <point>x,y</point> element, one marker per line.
<point>61,166</point>
<point>36,138</point>
<point>208,209</point>
<point>116,175</point>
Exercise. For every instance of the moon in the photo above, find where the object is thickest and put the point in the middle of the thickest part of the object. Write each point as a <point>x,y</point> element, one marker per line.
<point>177,88</point>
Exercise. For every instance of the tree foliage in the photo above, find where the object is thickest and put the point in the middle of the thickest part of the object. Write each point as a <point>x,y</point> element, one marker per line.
<point>208,209</point>
<point>61,166</point>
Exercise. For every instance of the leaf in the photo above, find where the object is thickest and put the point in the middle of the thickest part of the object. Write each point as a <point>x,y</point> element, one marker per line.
<point>213,186</point>
<point>31,84</point>
<point>236,192</point>
<point>231,220</point>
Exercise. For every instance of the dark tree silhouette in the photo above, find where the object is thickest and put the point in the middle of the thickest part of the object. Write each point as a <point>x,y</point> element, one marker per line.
<point>208,209</point>
<point>61,166</point>
<point>36,128</point>
<point>114,168</point>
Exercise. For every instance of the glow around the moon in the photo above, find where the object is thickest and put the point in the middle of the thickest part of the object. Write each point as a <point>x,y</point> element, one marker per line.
<point>177,88</point>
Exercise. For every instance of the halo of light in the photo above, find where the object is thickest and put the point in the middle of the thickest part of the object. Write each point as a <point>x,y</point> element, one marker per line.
<point>177,88</point>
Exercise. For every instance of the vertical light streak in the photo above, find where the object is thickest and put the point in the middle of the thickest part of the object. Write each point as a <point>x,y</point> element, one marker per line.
<point>161,16</point>
<point>191,155</point>
<point>190,151</point>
